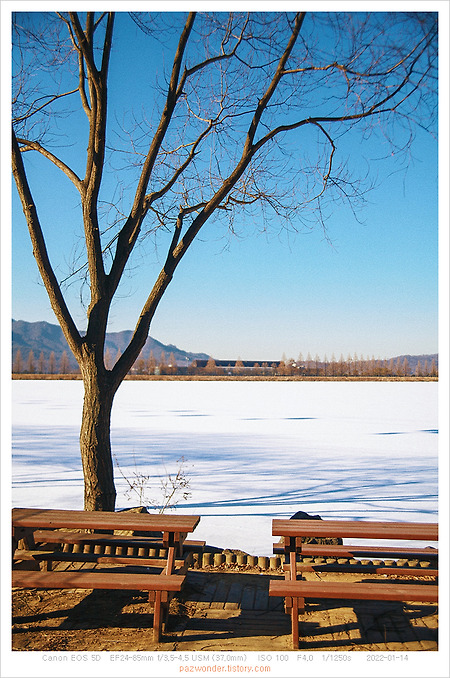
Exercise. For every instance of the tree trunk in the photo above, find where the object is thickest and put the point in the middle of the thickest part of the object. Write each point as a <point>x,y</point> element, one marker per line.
<point>95,443</point>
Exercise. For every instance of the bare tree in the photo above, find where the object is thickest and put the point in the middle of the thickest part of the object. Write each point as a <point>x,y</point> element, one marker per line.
<point>31,364</point>
<point>433,369</point>
<point>42,368</point>
<point>405,367</point>
<point>64,363</point>
<point>140,364</point>
<point>172,367</point>
<point>18,362</point>
<point>151,363</point>
<point>211,367</point>
<point>239,367</point>
<point>162,363</point>
<point>249,121</point>
<point>52,363</point>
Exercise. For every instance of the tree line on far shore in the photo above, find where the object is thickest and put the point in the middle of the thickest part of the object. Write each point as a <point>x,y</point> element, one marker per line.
<point>41,365</point>
<point>310,367</point>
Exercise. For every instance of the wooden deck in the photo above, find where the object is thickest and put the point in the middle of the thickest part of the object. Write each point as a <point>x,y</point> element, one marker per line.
<point>220,610</point>
<point>235,609</point>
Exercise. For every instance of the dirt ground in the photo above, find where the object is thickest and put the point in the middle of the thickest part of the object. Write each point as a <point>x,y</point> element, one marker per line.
<point>218,610</point>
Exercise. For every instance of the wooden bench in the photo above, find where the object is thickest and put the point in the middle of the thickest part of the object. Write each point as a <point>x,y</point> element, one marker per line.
<point>293,532</point>
<point>298,590</point>
<point>44,536</point>
<point>158,586</point>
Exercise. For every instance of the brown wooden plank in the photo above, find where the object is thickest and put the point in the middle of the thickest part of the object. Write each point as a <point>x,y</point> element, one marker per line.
<point>354,591</point>
<point>25,554</point>
<point>97,580</point>
<point>349,551</point>
<point>113,520</point>
<point>144,562</point>
<point>357,529</point>
<point>61,556</point>
<point>59,536</point>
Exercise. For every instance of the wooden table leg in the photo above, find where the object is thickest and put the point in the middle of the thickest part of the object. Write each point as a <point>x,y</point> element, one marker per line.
<point>294,623</point>
<point>293,605</point>
<point>157,617</point>
<point>170,560</point>
<point>293,565</point>
<point>181,537</point>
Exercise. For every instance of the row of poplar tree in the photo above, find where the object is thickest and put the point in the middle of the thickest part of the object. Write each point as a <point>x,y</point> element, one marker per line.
<point>350,367</point>
<point>41,364</point>
<point>63,365</point>
<point>357,367</point>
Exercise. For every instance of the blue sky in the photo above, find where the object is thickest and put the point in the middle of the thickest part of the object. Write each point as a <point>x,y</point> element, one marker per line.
<point>371,290</point>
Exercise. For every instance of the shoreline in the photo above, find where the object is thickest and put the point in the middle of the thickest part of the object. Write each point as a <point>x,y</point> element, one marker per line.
<point>198,377</point>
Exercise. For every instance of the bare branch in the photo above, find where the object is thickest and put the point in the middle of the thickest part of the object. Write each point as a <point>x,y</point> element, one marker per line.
<point>36,146</point>
<point>128,236</point>
<point>33,109</point>
<point>84,44</point>
<point>40,252</point>
<point>264,101</point>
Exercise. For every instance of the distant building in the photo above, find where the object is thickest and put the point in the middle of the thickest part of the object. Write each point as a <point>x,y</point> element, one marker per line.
<point>237,366</point>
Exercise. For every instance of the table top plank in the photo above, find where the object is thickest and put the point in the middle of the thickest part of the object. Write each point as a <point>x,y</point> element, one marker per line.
<point>104,520</point>
<point>86,579</point>
<point>353,528</point>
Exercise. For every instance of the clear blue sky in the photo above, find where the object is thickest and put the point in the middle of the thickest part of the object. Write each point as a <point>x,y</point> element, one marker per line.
<point>373,290</point>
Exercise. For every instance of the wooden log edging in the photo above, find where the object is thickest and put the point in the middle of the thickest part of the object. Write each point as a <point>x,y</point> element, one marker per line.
<point>210,557</point>
<point>213,558</point>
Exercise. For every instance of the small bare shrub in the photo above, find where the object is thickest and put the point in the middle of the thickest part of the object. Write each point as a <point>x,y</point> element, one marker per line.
<point>173,488</point>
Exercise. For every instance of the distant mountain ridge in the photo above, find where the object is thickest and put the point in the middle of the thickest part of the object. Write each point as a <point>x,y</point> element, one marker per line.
<point>47,338</point>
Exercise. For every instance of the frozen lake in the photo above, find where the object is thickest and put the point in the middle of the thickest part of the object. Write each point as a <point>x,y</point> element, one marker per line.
<point>252,450</point>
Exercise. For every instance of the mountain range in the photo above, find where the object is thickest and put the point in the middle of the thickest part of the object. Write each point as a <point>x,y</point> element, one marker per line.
<point>47,338</point>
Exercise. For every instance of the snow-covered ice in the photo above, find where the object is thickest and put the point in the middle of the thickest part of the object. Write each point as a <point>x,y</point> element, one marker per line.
<point>252,450</point>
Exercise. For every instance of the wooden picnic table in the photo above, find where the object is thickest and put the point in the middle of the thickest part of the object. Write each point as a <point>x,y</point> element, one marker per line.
<point>292,532</point>
<point>55,525</point>
<point>296,590</point>
<point>174,528</point>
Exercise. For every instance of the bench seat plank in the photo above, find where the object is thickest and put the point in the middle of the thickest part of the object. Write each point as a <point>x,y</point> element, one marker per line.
<point>61,556</point>
<point>354,590</point>
<point>60,536</point>
<point>83,579</point>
